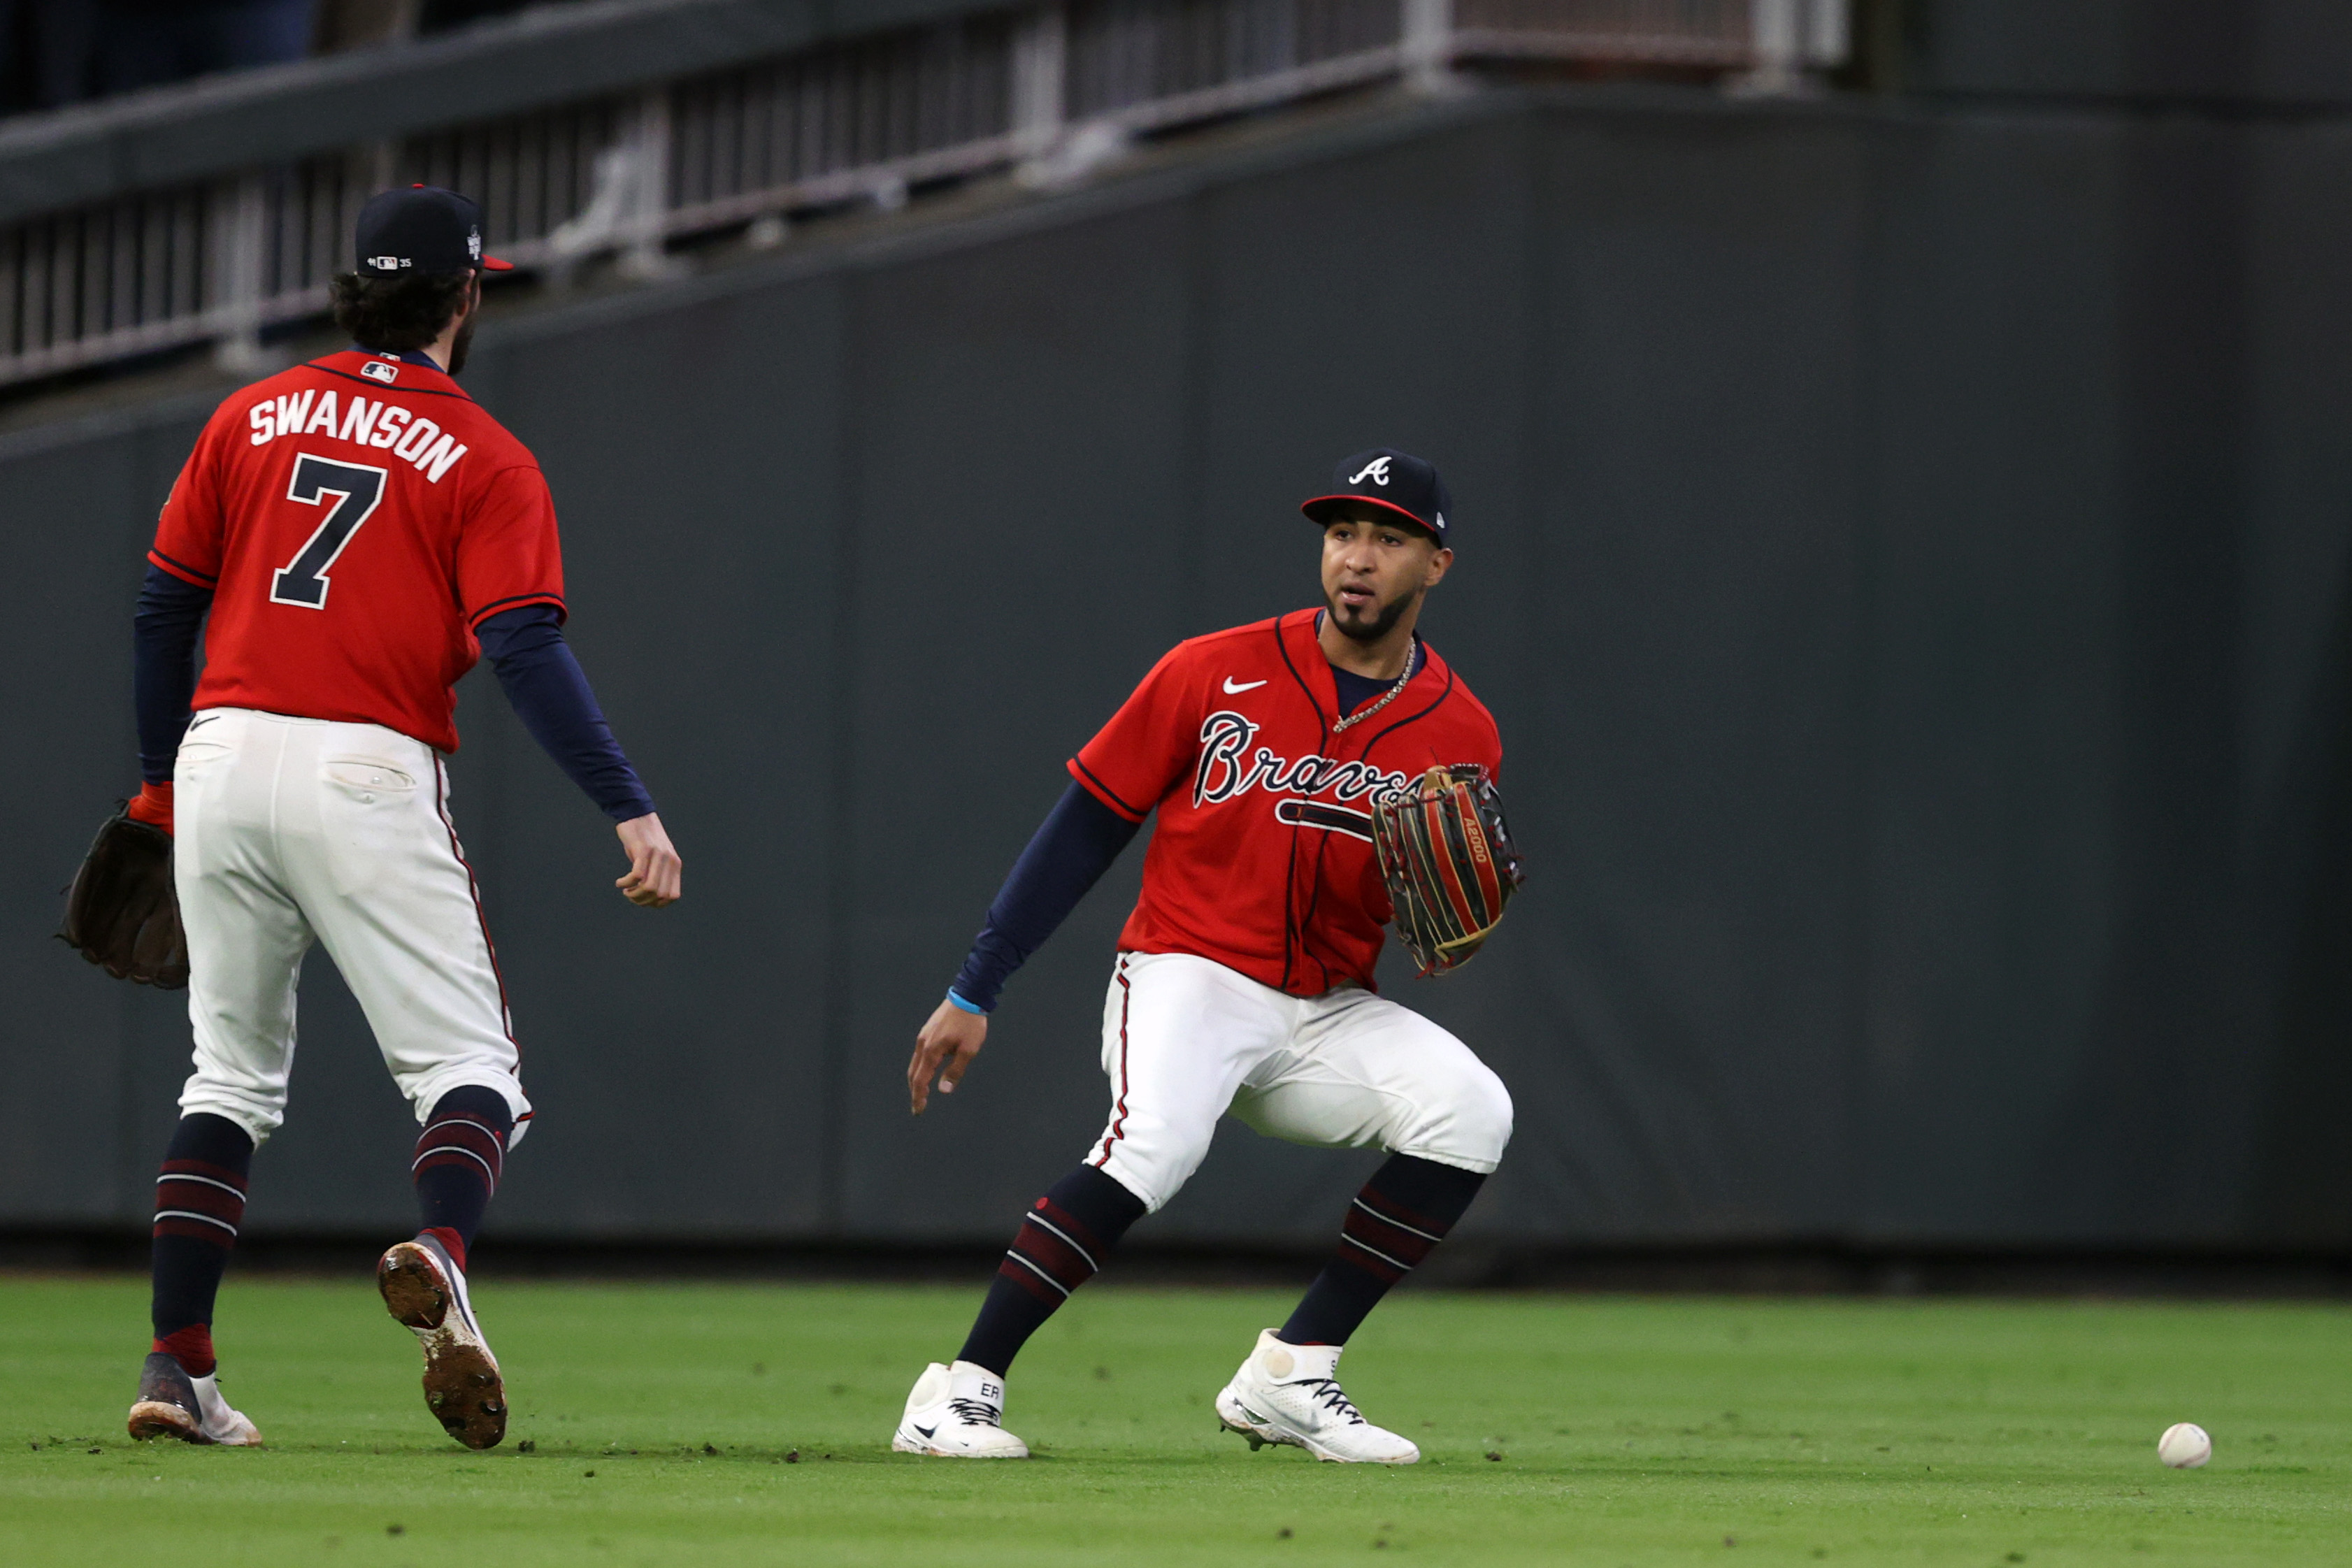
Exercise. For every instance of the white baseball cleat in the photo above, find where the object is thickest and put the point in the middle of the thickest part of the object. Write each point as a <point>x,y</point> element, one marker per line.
<point>957,1413</point>
<point>174,1404</point>
<point>425,1290</point>
<point>1290,1394</point>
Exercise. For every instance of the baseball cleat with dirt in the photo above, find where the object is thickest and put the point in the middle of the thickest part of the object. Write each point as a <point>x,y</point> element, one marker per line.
<point>425,1290</point>
<point>171,1404</point>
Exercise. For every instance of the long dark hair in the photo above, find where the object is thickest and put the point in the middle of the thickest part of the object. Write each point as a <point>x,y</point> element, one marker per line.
<point>393,314</point>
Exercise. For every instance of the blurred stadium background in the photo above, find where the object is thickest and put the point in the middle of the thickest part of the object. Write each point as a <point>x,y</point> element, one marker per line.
<point>1904,455</point>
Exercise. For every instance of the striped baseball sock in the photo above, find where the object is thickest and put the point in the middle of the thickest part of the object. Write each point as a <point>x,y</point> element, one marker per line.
<point>199,1204</point>
<point>1400,1216</point>
<point>1063,1239</point>
<point>459,1157</point>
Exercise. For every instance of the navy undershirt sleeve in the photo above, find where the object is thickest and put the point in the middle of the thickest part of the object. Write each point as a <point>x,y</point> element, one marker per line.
<point>548,692</point>
<point>1080,839</point>
<point>170,617</point>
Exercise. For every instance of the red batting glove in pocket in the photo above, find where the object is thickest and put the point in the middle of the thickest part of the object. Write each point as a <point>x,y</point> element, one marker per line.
<point>153,806</point>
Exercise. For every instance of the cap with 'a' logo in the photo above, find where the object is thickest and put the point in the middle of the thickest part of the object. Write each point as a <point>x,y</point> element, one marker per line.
<point>423,229</point>
<point>1396,480</point>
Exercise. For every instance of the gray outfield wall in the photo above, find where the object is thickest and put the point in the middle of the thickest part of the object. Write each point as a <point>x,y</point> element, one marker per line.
<point>1907,552</point>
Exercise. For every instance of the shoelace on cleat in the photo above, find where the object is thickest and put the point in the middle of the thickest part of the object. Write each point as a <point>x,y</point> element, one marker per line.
<point>1328,1394</point>
<point>976,1412</point>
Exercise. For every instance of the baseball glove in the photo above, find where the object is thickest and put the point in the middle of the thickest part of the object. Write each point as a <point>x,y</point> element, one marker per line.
<point>123,912</point>
<point>1449,863</point>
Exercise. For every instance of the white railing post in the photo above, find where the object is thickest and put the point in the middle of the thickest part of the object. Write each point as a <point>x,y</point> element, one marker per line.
<point>382,159</point>
<point>1041,45</point>
<point>1774,50</point>
<point>1425,40</point>
<point>240,212</point>
<point>628,209</point>
<point>649,213</point>
<point>1789,38</point>
<point>1829,41</point>
<point>1050,152</point>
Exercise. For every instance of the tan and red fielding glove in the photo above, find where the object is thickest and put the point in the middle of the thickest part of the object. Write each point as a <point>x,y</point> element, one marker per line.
<point>1449,863</point>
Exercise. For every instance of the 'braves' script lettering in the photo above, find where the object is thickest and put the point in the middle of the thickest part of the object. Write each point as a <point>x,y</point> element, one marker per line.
<point>1230,766</point>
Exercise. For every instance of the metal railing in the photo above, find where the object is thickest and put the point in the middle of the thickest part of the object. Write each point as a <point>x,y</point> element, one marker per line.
<point>1049,90</point>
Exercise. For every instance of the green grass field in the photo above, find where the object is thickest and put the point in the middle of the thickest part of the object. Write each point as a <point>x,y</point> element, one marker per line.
<point>663,1422</point>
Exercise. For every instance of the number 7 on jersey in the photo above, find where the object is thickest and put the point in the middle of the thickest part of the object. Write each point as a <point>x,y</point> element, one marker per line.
<point>356,489</point>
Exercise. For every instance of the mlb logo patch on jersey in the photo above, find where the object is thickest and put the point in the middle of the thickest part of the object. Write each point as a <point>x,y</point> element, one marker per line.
<point>381,370</point>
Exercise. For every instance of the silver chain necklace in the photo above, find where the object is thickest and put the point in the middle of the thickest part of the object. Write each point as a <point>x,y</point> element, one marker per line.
<point>1411,664</point>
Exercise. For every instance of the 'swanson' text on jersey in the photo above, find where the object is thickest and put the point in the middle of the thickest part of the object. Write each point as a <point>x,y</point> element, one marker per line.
<point>362,422</point>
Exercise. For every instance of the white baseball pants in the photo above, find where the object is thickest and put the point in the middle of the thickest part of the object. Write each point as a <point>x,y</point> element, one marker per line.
<point>1186,1040</point>
<point>291,830</point>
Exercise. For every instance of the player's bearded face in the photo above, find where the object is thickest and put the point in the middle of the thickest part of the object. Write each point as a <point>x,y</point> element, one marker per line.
<point>464,342</point>
<point>1372,574</point>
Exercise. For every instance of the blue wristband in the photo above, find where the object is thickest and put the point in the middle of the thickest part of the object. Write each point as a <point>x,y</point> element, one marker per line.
<point>967,1007</point>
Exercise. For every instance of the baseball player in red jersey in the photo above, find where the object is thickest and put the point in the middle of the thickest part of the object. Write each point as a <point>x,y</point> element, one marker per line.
<point>358,532</point>
<point>1244,975</point>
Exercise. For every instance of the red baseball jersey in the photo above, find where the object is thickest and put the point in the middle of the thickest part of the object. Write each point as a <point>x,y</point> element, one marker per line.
<point>356,518</point>
<point>1263,858</point>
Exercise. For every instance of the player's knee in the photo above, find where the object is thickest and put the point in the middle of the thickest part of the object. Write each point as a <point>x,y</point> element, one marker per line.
<point>1479,1120</point>
<point>1152,1182</point>
<point>1465,1120</point>
<point>258,1114</point>
<point>1154,1166</point>
<point>492,1095</point>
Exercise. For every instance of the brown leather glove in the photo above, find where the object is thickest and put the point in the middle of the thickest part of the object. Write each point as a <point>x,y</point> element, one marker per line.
<point>1449,863</point>
<point>123,912</point>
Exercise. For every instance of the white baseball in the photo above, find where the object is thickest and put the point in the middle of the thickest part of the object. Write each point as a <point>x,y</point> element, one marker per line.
<point>2184,1447</point>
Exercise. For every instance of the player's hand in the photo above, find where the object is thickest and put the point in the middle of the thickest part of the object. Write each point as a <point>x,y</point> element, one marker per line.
<point>654,865</point>
<point>949,1042</point>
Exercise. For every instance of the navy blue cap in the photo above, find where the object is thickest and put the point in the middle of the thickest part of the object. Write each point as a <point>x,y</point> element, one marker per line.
<point>422,229</point>
<point>1396,480</point>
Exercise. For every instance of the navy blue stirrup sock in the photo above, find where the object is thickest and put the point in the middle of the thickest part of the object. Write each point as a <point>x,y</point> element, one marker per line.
<point>199,1204</point>
<point>1063,1239</point>
<point>1395,1222</point>
<point>459,1156</point>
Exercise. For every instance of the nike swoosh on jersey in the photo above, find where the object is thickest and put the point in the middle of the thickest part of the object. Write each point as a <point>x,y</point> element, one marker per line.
<point>1233,691</point>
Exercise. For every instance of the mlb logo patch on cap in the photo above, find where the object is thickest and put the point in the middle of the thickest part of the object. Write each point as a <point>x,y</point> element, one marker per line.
<point>422,229</point>
<point>1398,481</point>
